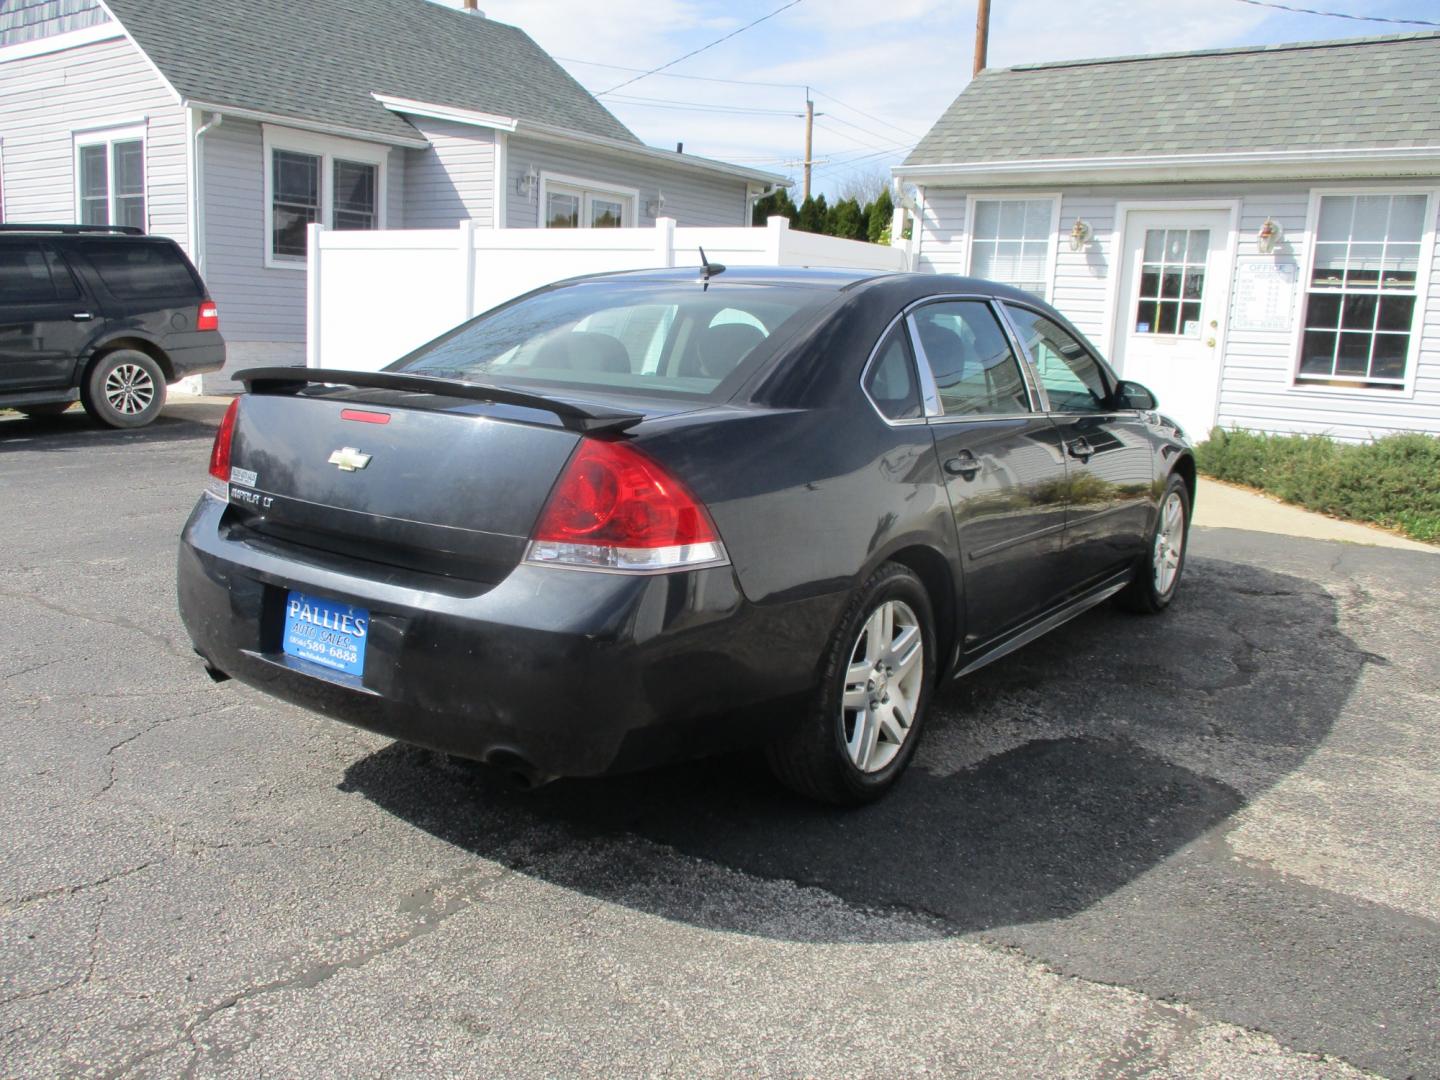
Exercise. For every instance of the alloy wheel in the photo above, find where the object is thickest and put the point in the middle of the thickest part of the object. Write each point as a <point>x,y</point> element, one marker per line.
<point>1169,543</point>
<point>129,389</point>
<point>882,686</point>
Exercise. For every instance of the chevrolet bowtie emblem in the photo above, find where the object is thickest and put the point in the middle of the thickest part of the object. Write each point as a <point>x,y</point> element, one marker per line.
<point>349,459</point>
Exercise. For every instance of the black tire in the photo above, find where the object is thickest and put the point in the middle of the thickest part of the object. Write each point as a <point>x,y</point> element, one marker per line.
<point>815,758</point>
<point>1145,595</point>
<point>38,412</point>
<point>124,389</point>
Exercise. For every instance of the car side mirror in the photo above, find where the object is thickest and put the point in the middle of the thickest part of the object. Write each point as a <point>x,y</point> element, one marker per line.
<point>1131,395</point>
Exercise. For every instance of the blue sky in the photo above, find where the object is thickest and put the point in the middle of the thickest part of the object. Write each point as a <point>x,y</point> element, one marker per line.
<point>881,71</point>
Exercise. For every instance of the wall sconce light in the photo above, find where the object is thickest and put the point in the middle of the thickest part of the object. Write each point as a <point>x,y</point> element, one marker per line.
<point>655,205</point>
<point>1080,234</point>
<point>1269,235</point>
<point>525,185</point>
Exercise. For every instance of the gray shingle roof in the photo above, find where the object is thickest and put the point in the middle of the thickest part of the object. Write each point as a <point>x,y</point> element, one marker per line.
<point>320,60</point>
<point>1361,92</point>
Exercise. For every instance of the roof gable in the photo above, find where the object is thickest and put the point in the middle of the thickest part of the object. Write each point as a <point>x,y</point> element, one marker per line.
<point>1316,96</point>
<point>321,60</point>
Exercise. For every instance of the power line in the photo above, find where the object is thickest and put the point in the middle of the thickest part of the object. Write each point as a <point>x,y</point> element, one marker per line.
<point>889,137</point>
<point>695,106</point>
<point>697,52</point>
<point>692,78</point>
<point>862,112</point>
<point>1338,14</point>
<point>747,82</point>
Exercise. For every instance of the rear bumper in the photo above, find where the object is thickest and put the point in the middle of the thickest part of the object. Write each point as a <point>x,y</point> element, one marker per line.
<point>197,359</point>
<point>573,673</point>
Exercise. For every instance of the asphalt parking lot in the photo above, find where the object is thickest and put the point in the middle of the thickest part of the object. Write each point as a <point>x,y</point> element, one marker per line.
<point>1204,844</point>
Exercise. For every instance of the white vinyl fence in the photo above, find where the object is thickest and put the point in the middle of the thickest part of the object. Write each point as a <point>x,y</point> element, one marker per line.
<point>373,296</point>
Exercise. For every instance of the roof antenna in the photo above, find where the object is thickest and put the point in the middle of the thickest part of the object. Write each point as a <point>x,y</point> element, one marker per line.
<point>707,268</point>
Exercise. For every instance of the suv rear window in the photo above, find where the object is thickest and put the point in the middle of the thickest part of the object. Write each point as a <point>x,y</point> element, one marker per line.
<point>639,336</point>
<point>137,270</point>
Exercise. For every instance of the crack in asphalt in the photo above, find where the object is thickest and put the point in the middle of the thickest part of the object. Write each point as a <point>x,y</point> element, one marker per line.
<point>426,918</point>
<point>79,980</point>
<point>84,616</point>
<point>71,890</point>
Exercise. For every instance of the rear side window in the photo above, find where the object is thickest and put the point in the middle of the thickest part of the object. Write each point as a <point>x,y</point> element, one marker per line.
<point>890,382</point>
<point>24,274</point>
<point>975,369</point>
<point>140,271</point>
<point>689,339</point>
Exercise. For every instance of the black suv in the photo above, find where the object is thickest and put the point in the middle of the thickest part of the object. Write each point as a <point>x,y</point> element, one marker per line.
<point>100,313</point>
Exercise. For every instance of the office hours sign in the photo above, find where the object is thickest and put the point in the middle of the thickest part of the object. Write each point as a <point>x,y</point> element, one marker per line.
<point>1264,295</point>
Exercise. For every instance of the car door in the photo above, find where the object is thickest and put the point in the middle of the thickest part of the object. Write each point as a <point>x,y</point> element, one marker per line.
<point>1004,471</point>
<point>44,325</point>
<point>1108,450</point>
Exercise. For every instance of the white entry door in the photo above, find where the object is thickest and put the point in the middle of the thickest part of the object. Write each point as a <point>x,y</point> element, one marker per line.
<point>1174,289</point>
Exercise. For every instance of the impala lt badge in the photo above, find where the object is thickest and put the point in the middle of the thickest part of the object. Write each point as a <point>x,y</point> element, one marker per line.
<point>348,458</point>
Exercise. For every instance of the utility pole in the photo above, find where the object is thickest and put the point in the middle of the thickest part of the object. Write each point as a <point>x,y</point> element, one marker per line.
<point>809,132</point>
<point>982,36</point>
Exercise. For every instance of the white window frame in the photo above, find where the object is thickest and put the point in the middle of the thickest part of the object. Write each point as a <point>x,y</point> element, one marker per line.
<point>1053,248</point>
<point>80,138</point>
<point>587,189</point>
<point>1422,293</point>
<point>327,148</point>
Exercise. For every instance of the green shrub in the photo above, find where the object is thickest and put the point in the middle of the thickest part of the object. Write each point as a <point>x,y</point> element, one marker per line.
<point>1394,481</point>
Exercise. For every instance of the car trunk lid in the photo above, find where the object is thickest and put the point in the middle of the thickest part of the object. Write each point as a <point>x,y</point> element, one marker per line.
<point>398,472</point>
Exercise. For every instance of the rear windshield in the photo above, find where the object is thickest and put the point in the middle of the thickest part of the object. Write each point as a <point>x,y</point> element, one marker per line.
<point>139,270</point>
<point>624,335</point>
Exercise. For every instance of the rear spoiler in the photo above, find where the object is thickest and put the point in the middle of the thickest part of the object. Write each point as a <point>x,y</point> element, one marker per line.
<point>582,418</point>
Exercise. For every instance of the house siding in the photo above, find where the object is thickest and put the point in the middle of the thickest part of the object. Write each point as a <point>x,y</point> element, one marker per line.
<point>453,180</point>
<point>1257,387</point>
<point>31,20</point>
<point>262,308</point>
<point>690,198</point>
<point>48,98</point>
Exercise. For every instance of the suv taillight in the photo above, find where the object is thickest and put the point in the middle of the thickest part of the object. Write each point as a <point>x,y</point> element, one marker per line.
<point>616,509</point>
<point>208,317</point>
<point>219,483</point>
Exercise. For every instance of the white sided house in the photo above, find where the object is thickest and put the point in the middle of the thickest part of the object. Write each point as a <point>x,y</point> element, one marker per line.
<point>231,127</point>
<point>1249,232</point>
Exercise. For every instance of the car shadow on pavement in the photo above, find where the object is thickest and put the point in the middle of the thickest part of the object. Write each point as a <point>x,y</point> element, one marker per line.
<point>75,430</point>
<point>1046,782</point>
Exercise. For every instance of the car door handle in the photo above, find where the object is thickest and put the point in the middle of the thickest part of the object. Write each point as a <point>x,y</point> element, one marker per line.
<point>964,464</point>
<point>1080,448</point>
<point>82,316</point>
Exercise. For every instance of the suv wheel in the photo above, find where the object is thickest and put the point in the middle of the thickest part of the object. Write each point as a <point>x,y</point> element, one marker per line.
<point>124,389</point>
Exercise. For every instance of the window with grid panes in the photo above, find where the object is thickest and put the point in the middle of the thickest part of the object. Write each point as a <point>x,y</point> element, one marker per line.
<point>1363,289</point>
<point>1010,242</point>
<point>1172,282</point>
<point>112,182</point>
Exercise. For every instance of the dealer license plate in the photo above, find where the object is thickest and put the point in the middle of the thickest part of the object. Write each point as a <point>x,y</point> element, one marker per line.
<point>326,632</point>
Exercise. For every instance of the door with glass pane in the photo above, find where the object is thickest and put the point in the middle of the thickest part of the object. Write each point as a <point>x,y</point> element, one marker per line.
<point>1171,311</point>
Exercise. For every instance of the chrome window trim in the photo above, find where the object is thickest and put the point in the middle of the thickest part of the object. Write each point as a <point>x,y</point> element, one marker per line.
<point>910,421</point>
<point>1105,369</point>
<point>928,376</point>
<point>929,389</point>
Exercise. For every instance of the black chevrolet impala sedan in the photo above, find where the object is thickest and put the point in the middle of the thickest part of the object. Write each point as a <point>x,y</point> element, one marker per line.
<point>631,518</point>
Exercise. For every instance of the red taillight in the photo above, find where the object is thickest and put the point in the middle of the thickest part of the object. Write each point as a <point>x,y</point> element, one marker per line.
<point>208,317</point>
<point>614,508</point>
<point>220,452</point>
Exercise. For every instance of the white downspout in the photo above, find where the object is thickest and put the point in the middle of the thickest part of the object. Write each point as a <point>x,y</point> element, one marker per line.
<point>192,384</point>
<point>199,243</point>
